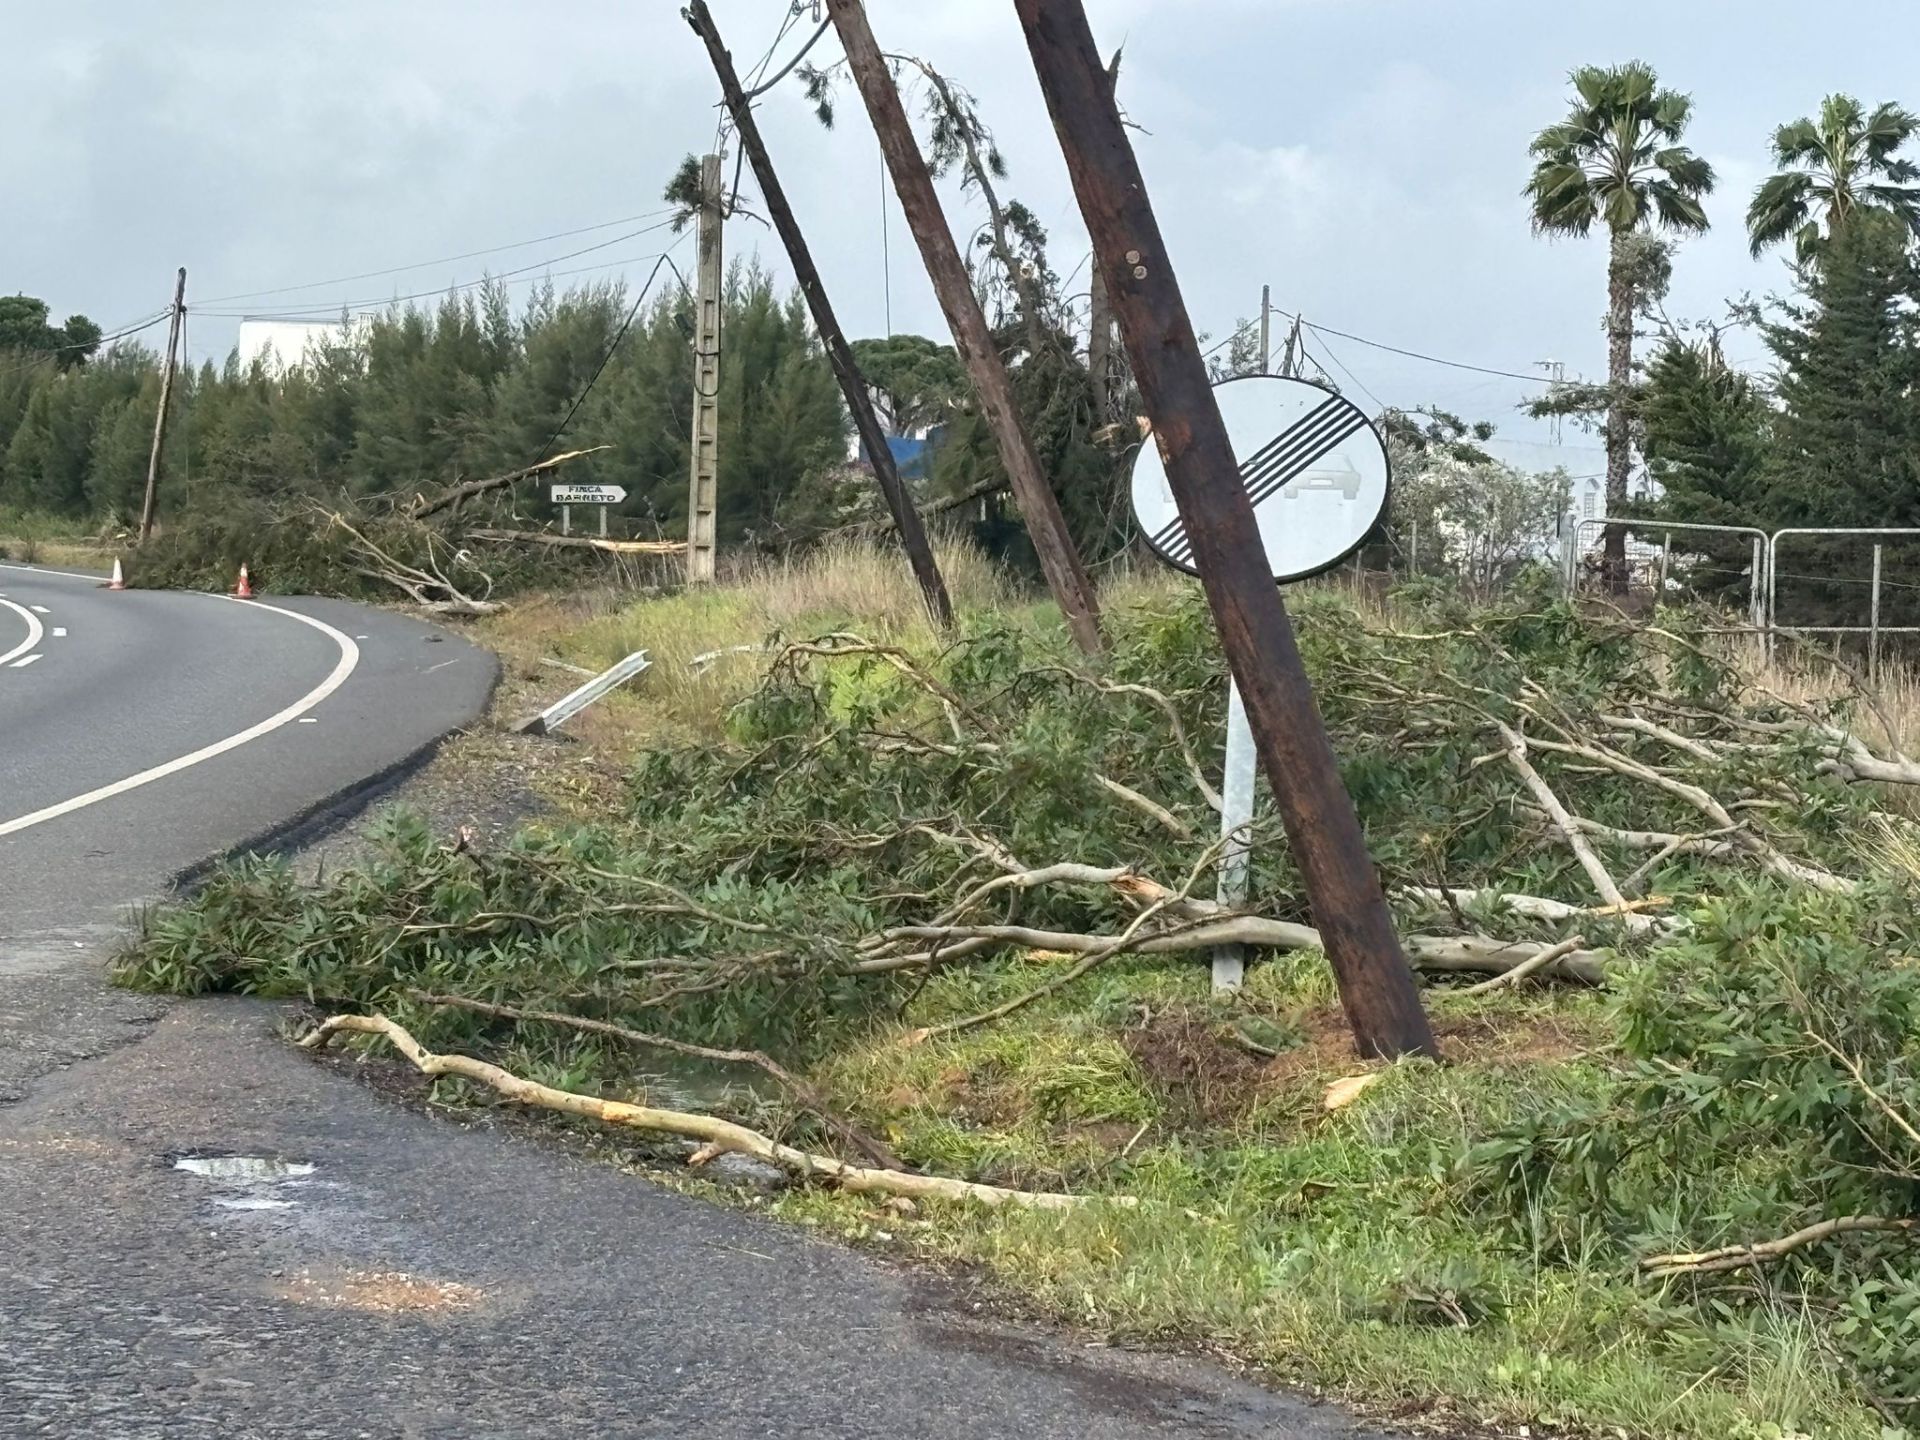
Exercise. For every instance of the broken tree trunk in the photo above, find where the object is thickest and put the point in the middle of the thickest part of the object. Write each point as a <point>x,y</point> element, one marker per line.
<point>853,385</point>
<point>423,505</point>
<point>1052,541</point>
<point>1376,985</point>
<point>580,542</point>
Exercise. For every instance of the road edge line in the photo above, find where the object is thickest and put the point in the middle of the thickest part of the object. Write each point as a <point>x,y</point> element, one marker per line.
<point>343,668</point>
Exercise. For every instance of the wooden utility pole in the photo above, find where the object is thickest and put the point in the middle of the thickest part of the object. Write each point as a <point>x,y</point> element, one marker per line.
<point>151,500</point>
<point>1376,986</point>
<point>1047,527</point>
<point>704,485</point>
<point>1100,317</point>
<point>853,384</point>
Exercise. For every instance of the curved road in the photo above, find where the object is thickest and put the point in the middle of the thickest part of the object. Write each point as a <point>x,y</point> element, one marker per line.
<point>142,732</point>
<point>411,1277</point>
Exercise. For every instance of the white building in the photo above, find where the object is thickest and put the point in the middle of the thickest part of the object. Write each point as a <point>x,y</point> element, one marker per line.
<point>284,344</point>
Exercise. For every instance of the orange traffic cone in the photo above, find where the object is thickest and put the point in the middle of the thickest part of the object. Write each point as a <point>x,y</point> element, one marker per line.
<point>244,590</point>
<point>119,581</point>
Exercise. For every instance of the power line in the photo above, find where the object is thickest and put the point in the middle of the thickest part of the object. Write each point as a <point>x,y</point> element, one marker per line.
<point>378,302</point>
<point>443,260</point>
<point>1380,404</point>
<point>1325,330</point>
<point>594,379</point>
<point>788,68</point>
<point>319,318</point>
<point>46,356</point>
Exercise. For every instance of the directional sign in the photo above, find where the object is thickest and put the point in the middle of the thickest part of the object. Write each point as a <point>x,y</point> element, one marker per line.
<point>1311,462</point>
<point>588,494</point>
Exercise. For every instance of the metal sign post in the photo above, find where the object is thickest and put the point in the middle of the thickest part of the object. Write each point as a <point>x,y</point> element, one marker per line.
<point>1317,475</point>
<point>1236,830</point>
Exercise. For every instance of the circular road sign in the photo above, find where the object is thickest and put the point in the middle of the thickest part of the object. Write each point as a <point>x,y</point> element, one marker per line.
<point>1311,462</point>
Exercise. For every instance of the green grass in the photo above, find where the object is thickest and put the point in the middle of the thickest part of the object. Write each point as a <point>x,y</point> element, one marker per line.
<point>1336,1249</point>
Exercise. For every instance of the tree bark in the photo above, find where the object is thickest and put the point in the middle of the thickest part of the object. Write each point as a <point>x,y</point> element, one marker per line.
<point>1376,986</point>
<point>1619,379</point>
<point>1052,541</point>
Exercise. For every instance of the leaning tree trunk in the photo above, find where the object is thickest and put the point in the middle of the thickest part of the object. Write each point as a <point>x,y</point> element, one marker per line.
<point>1619,379</point>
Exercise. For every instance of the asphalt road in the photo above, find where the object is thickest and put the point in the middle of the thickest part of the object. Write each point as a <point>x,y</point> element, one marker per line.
<point>406,1276</point>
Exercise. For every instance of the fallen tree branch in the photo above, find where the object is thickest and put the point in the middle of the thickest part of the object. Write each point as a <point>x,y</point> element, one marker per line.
<point>801,1090</point>
<point>580,542</point>
<point>1569,830</point>
<point>1765,1252</point>
<point>423,507</point>
<point>1533,965</point>
<point>721,1135</point>
<point>1539,907</point>
<point>1150,808</point>
<point>1476,954</point>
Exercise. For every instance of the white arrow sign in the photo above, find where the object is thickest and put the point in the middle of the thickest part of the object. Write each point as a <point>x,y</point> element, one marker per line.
<point>588,494</point>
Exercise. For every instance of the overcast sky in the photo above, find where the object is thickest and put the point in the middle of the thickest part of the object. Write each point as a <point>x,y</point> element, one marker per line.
<point>1363,157</point>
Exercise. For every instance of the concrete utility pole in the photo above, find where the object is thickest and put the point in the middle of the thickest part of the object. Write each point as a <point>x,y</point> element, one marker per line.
<point>1047,527</point>
<point>853,384</point>
<point>703,490</point>
<point>1266,334</point>
<point>151,500</point>
<point>1377,989</point>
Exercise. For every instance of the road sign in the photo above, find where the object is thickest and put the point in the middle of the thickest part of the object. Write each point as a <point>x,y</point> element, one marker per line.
<point>1311,462</point>
<point>1316,471</point>
<point>588,494</point>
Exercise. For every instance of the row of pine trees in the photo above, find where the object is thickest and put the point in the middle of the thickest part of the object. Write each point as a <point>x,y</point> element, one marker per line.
<point>414,399</point>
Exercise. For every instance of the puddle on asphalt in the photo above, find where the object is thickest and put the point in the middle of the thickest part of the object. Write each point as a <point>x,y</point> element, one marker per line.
<point>256,1169</point>
<point>248,1182</point>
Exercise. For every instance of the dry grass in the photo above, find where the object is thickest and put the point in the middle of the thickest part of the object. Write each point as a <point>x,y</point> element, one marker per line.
<point>865,587</point>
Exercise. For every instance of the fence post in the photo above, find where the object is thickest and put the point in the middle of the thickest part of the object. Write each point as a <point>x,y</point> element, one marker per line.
<point>1773,598</point>
<point>1660,588</point>
<point>1873,625</point>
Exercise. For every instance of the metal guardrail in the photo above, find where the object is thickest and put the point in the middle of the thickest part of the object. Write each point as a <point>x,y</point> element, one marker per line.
<point>1873,629</point>
<point>1761,592</point>
<point>1763,608</point>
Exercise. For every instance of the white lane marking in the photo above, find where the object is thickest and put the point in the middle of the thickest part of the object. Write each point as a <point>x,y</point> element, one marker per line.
<point>308,720</point>
<point>67,574</point>
<point>441,666</point>
<point>39,609</point>
<point>59,632</point>
<point>34,631</point>
<point>24,661</point>
<point>349,658</point>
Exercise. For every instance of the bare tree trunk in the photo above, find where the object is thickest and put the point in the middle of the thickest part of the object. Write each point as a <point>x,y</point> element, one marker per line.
<point>1619,378</point>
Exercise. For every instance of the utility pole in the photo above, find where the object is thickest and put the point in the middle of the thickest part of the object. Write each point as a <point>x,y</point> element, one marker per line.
<point>1100,314</point>
<point>1376,986</point>
<point>151,500</point>
<point>704,486</point>
<point>1266,335</point>
<point>1059,559</point>
<point>853,384</point>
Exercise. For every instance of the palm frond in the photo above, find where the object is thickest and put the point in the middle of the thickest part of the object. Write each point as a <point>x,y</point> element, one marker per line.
<point>1779,208</point>
<point>1678,208</point>
<point>1563,199</point>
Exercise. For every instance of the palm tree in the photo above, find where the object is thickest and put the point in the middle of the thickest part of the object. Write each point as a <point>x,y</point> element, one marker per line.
<point>1617,160</point>
<point>1836,167</point>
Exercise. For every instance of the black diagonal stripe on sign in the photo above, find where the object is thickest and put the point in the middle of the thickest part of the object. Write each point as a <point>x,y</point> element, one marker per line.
<point>1280,470</point>
<point>1265,455</point>
<point>1304,439</point>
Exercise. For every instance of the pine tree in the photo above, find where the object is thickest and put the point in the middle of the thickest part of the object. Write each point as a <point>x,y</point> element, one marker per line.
<point>1846,447</point>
